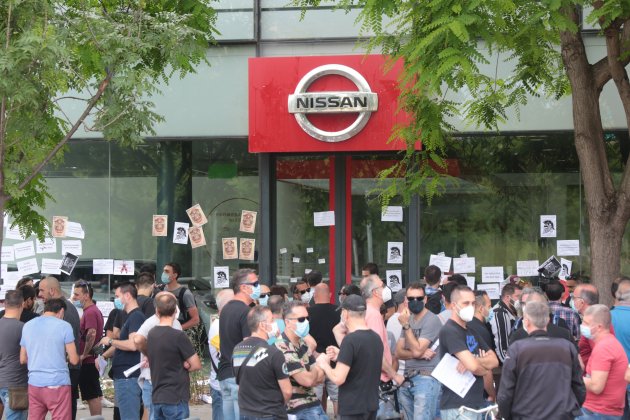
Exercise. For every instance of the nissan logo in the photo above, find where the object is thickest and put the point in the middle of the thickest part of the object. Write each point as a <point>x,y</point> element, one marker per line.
<point>363,102</point>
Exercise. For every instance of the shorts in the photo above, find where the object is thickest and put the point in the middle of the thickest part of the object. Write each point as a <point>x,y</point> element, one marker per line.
<point>331,389</point>
<point>89,382</point>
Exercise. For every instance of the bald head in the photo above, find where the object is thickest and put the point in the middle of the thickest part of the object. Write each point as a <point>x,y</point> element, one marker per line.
<point>322,293</point>
<point>223,297</point>
<point>49,288</point>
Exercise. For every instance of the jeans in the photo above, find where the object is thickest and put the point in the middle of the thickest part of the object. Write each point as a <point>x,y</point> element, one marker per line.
<point>420,401</point>
<point>453,414</point>
<point>591,415</point>
<point>316,413</point>
<point>147,390</point>
<point>229,394</point>
<point>171,411</point>
<point>128,398</point>
<point>10,414</point>
<point>217,404</point>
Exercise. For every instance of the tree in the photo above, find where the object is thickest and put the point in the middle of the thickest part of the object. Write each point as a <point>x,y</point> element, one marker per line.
<point>100,59</point>
<point>444,42</point>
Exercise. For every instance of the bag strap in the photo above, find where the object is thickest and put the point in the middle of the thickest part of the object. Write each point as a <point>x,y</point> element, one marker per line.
<point>180,303</point>
<point>240,369</point>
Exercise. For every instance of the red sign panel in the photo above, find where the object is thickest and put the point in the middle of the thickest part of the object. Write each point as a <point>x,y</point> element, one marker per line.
<point>292,99</point>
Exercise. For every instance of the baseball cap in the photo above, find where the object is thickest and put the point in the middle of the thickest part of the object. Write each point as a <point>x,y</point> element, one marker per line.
<point>354,303</point>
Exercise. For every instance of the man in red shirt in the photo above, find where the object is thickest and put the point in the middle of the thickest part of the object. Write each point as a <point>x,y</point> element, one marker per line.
<point>604,378</point>
<point>91,332</point>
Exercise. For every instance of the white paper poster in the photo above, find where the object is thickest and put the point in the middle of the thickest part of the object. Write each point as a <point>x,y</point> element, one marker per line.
<point>4,268</point>
<point>296,259</point>
<point>49,246</point>
<point>394,279</point>
<point>105,307</point>
<point>180,233</point>
<point>24,250</point>
<point>493,289</point>
<point>248,221</point>
<point>309,250</point>
<point>443,262</point>
<point>72,247</point>
<point>321,261</point>
<point>7,254</point>
<point>470,281</point>
<point>14,233</point>
<point>124,267</point>
<point>324,218</point>
<point>74,230</point>
<point>527,268</point>
<point>569,248</point>
<point>283,250</point>
<point>26,267</point>
<point>565,271</point>
<point>51,266</point>
<point>491,274</point>
<point>293,280</point>
<point>394,252</point>
<point>103,266</point>
<point>548,226</point>
<point>221,277</point>
<point>11,279</point>
<point>68,263</point>
<point>464,265</point>
<point>392,214</point>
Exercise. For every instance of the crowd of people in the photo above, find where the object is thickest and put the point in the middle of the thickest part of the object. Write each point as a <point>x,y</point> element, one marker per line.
<point>550,351</point>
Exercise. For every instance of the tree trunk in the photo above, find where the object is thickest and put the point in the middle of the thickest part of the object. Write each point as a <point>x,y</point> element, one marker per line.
<point>606,241</point>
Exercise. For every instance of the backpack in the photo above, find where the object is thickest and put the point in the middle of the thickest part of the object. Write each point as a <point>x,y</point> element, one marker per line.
<point>434,302</point>
<point>198,334</point>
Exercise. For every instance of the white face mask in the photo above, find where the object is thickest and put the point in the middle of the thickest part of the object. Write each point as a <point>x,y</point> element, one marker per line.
<point>386,294</point>
<point>306,297</point>
<point>467,313</point>
<point>274,330</point>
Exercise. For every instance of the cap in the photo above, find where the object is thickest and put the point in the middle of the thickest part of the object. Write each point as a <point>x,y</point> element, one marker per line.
<point>399,297</point>
<point>354,303</point>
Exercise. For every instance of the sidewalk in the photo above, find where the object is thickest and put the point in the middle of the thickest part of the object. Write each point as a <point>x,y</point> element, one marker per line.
<point>203,411</point>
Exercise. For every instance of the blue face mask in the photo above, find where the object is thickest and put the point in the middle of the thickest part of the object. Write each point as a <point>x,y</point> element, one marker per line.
<point>586,332</point>
<point>302,329</point>
<point>255,292</point>
<point>118,304</point>
<point>490,316</point>
<point>281,325</point>
<point>165,279</point>
<point>263,301</point>
<point>78,304</point>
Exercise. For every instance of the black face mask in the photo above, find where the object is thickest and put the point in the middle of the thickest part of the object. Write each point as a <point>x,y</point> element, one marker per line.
<point>416,306</point>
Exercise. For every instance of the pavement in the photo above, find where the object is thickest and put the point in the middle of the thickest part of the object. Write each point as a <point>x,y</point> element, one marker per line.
<point>203,411</point>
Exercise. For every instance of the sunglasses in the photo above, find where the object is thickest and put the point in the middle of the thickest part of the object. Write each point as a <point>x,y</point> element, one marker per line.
<point>301,319</point>
<point>412,298</point>
<point>264,295</point>
<point>254,284</point>
<point>302,292</point>
<point>342,293</point>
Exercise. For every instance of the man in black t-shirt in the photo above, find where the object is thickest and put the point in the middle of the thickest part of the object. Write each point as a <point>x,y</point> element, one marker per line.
<point>358,369</point>
<point>260,369</point>
<point>233,329</point>
<point>470,349</point>
<point>173,355</point>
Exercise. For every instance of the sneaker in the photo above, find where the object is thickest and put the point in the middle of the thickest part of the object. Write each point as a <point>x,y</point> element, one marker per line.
<point>81,406</point>
<point>106,403</point>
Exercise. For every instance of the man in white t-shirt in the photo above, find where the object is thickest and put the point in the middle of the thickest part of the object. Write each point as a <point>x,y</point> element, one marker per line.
<point>140,339</point>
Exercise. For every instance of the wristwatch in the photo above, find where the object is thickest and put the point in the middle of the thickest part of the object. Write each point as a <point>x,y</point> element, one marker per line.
<point>405,327</point>
<point>111,341</point>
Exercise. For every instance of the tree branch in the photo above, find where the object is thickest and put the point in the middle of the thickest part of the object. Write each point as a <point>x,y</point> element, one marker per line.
<point>601,69</point>
<point>101,88</point>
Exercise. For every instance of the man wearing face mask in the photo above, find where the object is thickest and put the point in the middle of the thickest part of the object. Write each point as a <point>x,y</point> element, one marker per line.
<point>420,330</point>
<point>472,352</point>
<point>303,373</point>
<point>189,313</point>
<point>233,328</point>
<point>265,292</point>
<point>260,369</point>
<point>302,291</point>
<point>554,291</point>
<point>375,293</point>
<point>505,314</point>
<point>127,392</point>
<point>91,331</point>
<point>605,370</point>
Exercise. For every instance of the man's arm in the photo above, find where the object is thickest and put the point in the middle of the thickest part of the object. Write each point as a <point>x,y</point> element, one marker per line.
<point>125,345</point>
<point>338,375</point>
<point>389,371</point>
<point>577,382</point>
<point>508,385</point>
<point>193,312</point>
<point>141,343</point>
<point>596,383</point>
<point>89,343</point>
<point>339,331</point>
<point>73,356</point>
<point>401,352</point>
<point>193,363</point>
<point>310,378</point>
<point>477,365</point>
<point>23,355</point>
<point>286,388</point>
